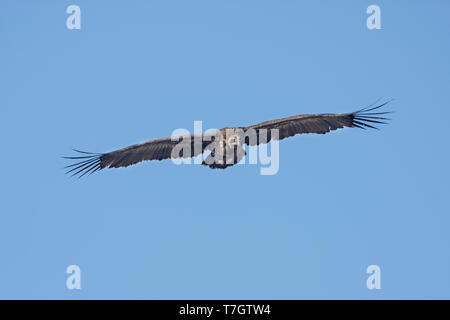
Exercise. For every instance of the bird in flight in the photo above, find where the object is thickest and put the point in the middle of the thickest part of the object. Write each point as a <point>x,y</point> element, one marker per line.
<point>226,145</point>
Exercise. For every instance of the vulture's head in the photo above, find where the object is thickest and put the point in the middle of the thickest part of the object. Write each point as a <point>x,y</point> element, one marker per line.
<point>234,140</point>
<point>233,136</point>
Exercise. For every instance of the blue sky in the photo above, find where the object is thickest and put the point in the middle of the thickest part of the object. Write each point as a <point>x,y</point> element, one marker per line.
<point>139,70</point>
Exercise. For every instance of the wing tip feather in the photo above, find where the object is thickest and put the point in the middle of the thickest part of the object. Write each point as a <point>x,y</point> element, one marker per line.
<point>366,118</point>
<point>89,163</point>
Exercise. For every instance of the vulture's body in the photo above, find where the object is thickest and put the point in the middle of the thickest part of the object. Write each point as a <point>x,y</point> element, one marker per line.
<point>226,145</point>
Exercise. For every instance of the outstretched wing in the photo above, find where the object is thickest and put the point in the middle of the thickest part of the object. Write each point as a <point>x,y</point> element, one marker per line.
<point>317,123</point>
<point>158,149</point>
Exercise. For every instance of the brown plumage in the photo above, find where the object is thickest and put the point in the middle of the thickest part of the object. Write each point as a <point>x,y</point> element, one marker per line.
<point>222,141</point>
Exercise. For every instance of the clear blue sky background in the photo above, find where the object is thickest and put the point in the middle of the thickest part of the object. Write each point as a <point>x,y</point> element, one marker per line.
<point>139,69</point>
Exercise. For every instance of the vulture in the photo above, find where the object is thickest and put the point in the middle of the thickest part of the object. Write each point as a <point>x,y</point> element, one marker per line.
<point>226,145</point>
